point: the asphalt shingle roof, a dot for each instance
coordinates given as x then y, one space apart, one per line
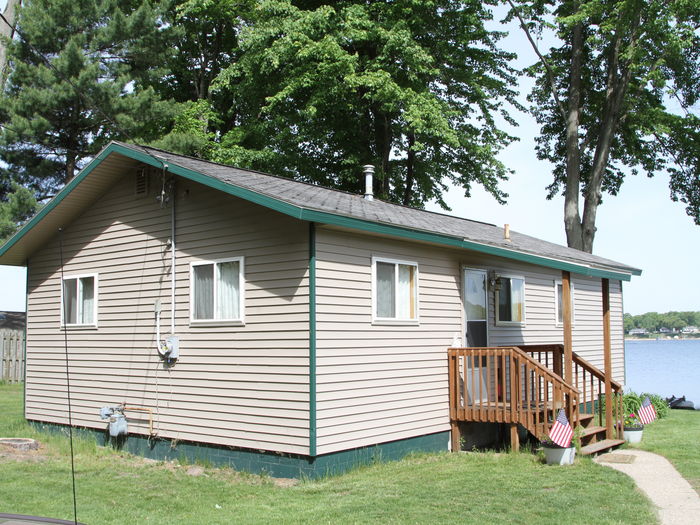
312 197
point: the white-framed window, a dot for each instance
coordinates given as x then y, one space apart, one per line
558 295
510 300
79 300
217 291
394 291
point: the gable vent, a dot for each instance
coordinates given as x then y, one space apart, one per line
141 182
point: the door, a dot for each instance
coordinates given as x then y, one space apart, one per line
475 307
475 322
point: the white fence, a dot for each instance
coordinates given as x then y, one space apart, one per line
11 356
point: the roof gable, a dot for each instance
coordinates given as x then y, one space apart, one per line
305 202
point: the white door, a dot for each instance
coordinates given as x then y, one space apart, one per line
476 333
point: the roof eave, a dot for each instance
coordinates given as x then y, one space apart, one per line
312 215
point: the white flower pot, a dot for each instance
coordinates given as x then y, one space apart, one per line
559 456
633 436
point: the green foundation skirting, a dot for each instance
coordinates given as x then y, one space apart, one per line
258 462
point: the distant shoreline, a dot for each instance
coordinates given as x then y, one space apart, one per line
685 337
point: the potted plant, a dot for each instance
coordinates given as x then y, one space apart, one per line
555 454
632 428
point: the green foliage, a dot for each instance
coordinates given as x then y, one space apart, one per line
19 206
653 321
56 116
413 87
632 402
626 79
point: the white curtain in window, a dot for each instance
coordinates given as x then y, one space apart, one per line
204 291
404 295
385 290
87 300
70 301
228 291
517 290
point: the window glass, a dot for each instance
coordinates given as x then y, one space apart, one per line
79 296
204 291
511 300
228 296
476 296
70 301
217 291
396 290
386 295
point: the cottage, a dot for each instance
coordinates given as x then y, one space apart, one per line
281 326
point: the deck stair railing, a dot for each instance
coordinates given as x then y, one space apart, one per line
507 385
590 382
524 385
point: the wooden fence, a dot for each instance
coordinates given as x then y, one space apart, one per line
11 356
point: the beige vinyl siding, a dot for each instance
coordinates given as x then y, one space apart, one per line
244 386
380 382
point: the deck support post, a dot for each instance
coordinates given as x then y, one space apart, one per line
456 437
514 437
566 316
607 353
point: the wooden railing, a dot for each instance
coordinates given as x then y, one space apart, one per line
588 380
506 385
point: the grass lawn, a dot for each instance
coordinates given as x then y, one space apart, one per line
677 437
114 487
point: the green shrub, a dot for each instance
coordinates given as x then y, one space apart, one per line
632 402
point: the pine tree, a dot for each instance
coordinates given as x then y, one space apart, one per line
78 74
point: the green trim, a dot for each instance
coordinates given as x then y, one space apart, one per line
26 320
319 217
58 198
257 462
312 339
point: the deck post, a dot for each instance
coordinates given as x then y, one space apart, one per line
456 437
514 437
607 359
566 315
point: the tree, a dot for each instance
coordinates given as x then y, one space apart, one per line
77 70
19 206
605 100
413 87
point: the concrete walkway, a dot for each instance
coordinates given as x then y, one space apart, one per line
675 500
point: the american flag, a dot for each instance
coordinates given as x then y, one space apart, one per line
561 431
647 414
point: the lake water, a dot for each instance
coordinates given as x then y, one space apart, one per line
664 367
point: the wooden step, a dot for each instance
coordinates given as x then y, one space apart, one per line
585 418
590 431
601 446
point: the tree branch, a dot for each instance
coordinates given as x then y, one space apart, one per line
550 72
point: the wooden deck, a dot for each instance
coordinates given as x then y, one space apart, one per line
524 386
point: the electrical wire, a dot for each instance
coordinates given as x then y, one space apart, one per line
70 411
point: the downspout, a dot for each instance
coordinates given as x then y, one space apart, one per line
312 339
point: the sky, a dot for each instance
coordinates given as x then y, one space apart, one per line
640 227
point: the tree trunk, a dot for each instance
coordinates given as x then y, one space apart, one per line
572 217
410 173
8 32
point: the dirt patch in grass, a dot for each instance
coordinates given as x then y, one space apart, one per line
10 453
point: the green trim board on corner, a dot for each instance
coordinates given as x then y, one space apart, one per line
312 339
269 463
315 216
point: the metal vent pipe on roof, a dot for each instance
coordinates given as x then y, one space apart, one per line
506 232
369 181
